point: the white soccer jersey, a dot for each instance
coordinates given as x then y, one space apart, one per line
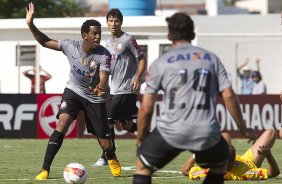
125 53
191 78
84 69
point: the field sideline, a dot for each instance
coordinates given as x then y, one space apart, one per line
21 160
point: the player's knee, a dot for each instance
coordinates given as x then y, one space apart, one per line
143 169
62 126
271 133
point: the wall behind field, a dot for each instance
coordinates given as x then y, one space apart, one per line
232 37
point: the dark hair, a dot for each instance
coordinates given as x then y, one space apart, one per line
85 28
115 12
180 26
256 74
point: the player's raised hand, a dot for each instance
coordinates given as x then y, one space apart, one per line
29 13
264 150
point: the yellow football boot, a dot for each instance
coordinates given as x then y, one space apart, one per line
115 167
43 175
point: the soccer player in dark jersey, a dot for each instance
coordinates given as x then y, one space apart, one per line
89 71
127 67
191 78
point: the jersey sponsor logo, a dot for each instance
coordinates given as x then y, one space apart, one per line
83 73
196 56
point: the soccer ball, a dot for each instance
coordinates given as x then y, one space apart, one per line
75 173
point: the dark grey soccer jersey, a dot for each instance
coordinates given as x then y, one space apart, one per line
191 78
84 69
125 52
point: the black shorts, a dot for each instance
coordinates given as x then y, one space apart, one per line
155 153
95 113
213 157
123 108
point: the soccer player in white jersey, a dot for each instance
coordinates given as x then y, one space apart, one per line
89 71
127 67
191 78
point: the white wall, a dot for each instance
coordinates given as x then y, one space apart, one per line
219 34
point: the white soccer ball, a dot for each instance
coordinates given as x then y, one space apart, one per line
75 173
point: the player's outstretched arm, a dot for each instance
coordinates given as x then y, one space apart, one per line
187 166
232 103
44 40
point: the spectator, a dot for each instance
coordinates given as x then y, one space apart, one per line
259 86
245 78
44 76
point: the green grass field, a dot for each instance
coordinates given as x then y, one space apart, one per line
21 160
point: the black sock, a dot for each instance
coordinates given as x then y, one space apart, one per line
133 128
213 178
53 147
113 141
141 179
111 155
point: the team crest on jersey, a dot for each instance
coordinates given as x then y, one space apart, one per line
119 46
93 65
63 105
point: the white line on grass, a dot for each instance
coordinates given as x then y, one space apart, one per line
124 168
129 168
